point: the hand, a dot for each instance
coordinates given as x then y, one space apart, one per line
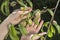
15 17
33 29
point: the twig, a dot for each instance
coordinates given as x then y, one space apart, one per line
52 16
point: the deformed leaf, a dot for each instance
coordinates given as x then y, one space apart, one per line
50 34
36 21
23 23
57 26
22 30
13 33
52 29
21 3
29 15
30 3
30 22
50 12
5 6
23 8
46 24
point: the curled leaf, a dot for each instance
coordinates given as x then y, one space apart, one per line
22 30
50 34
23 23
5 8
36 21
52 29
46 24
21 3
50 12
57 26
30 3
13 3
30 22
13 33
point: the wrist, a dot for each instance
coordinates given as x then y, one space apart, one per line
4 29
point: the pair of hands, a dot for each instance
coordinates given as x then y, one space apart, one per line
14 18
31 29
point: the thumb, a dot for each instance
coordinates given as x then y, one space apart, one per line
35 37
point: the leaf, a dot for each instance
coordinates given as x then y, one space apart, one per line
5 7
13 33
30 22
13 3
50 12
23 23
2 8
50 34
30 3
29 15
22 30
46 24
37 11
36 22
52 29
21 3
42 38
37 14
57 26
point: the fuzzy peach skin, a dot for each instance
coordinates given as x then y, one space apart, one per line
13 18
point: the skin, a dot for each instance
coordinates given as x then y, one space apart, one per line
14 18
33 29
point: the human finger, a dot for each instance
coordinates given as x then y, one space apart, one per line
35 26
32 24
39 35
39 26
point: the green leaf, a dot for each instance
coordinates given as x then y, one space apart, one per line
50 12
52 29
57 26
23 23
29 15
37 11
5 7
46 24
2 8
42 38
13 33
13 4
30 22
22 30
21 3
36 21
50 34
30 3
